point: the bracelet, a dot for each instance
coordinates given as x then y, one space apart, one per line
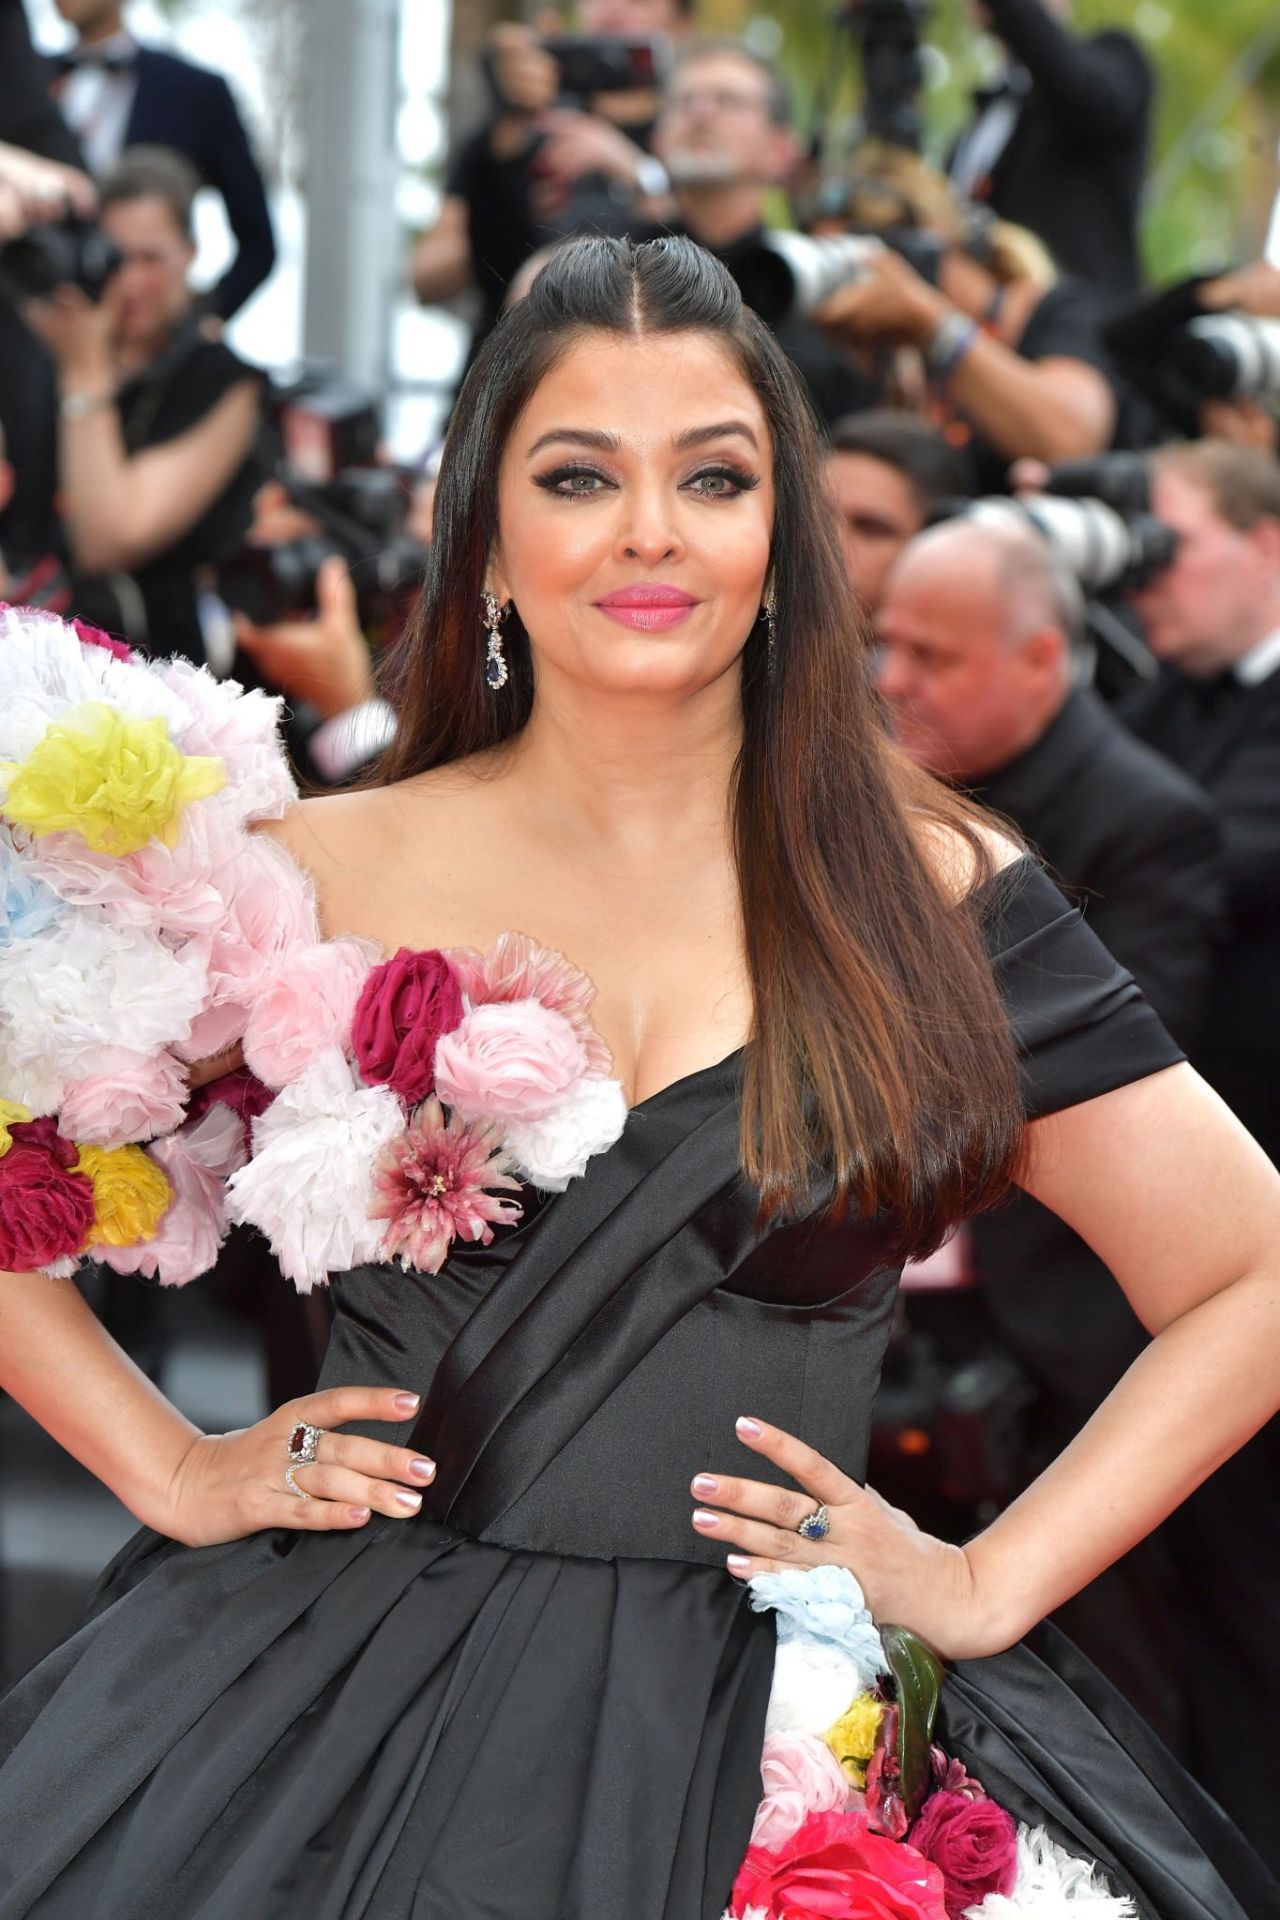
651 178
952 338
74 406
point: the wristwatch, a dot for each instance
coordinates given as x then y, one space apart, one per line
651 178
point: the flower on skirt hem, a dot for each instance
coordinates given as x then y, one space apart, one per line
436 1183
852 1738
1052 1884
973 1844
835 1865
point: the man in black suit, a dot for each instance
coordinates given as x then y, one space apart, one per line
1060 145
978 629
1213 620
117 94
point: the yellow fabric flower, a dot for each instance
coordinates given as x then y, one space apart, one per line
112 778
131 1194
10 1114
852 1739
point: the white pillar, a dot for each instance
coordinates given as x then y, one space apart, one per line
353 252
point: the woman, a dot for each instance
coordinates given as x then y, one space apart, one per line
545 1695
157 422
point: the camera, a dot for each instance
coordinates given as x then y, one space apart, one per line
1096 517
1226 355
888 36
597 63
789 274
73 253
328 433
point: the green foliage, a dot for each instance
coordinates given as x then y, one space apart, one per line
1214 171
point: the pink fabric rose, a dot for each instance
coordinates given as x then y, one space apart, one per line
134 1096
94 637
46 1207
836 1867
801 1776
308 1006
974 1845
406 1004
509 1060
517 968
197 1162
270 915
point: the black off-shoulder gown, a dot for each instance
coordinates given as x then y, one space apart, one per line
544 1697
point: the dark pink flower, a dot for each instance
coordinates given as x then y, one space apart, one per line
950 1775
46 1207
241 1090
836 1867
404 1007
974 1845
434 1184
517 968
94 637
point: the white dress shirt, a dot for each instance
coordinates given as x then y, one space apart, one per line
1260 662
96 102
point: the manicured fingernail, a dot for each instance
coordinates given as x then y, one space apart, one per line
701 1518
423 1469
408 1498
706 1485
358 1514
737 1562
749 1429
407 1402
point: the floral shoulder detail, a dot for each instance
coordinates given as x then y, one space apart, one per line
387 1107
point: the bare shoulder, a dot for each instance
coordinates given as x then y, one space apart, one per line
958 864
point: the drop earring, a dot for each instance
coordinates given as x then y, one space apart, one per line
766 614
495 664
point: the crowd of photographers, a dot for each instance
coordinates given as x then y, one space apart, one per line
1059 498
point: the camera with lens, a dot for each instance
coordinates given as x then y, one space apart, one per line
588 64
1096 517
1226 356
327 433
73 253
888 35
789 274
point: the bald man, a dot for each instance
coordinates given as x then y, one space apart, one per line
979 630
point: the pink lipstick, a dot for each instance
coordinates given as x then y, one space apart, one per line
648 606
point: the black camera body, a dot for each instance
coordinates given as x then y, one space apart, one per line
329 433
73 253
588 64
888 34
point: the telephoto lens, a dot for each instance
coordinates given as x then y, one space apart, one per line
1226 355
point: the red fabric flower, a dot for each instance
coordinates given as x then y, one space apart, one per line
240 1090
46 1207
973 1843
835 1867
94 637
404 1007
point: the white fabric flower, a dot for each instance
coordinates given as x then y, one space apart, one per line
45 671
1053 1884
553 1151
823 1603
814 1681
65 996
309 1186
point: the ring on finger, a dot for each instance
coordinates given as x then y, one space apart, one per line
292 1484
304 1444
815 1525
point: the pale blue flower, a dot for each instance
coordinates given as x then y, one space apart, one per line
27 905
823 1603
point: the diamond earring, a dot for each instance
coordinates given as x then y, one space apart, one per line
495 665
766 613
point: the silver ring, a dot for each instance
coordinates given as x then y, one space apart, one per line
815 1525
292 1484
304 1443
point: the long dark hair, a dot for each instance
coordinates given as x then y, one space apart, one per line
881 1067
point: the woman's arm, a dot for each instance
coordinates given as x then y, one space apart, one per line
1184 1207
58 1362
122 509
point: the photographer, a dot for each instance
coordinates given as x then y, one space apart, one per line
1060 145
1213 621
156 423
1163 348
1009 352
542 168
887 472
978 626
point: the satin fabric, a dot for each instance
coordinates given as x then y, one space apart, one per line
544 1697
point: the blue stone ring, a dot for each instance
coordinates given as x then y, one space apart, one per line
815 1525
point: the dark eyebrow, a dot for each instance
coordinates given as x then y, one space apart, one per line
612 442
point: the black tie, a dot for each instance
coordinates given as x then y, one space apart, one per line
80 59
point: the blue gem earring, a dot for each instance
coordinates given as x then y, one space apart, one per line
495 664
